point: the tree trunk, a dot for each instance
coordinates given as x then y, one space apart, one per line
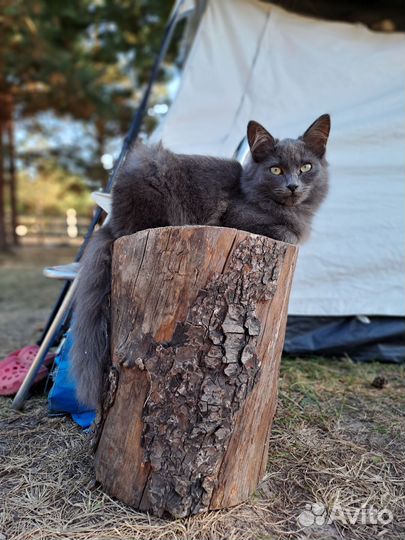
12 171
3 232
198 322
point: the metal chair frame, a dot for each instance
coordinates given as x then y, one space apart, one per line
61 313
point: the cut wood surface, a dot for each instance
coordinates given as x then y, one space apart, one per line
198 323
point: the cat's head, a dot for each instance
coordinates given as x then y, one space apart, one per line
288 171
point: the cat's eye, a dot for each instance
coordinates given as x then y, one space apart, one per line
306 167
276 171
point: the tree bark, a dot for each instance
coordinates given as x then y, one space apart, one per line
3 231
12 171
198 322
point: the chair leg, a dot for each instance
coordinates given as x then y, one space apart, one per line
21 396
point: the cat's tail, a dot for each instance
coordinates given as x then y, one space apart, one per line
91 319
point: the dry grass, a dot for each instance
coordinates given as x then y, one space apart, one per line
25 295
334 436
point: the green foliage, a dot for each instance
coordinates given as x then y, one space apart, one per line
79 57
51 191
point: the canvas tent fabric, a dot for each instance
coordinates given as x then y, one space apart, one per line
257 61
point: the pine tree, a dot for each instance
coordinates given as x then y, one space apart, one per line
83 58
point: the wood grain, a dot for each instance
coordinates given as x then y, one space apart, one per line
198 322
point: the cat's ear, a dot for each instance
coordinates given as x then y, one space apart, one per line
316 136
260 141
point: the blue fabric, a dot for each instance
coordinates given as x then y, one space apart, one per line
62 396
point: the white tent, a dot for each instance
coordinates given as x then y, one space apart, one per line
251 60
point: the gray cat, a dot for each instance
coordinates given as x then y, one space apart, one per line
276 194
282 185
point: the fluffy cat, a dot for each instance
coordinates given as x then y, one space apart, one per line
282 185
274 195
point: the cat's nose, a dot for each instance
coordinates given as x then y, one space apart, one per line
292 187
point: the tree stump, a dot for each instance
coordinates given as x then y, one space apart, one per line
198 322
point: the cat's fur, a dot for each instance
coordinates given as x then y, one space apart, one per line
157 188
265 203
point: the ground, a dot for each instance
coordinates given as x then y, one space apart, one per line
336 450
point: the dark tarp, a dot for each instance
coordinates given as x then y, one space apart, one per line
382 338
